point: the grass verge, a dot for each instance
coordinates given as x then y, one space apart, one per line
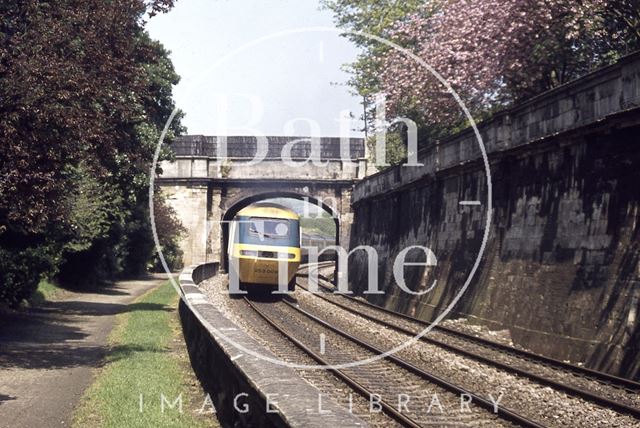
46 290
147 361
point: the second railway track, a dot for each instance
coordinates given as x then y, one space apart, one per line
600 388
292 327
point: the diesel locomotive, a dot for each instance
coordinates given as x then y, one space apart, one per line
264 237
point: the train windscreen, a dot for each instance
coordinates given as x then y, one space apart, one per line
269 231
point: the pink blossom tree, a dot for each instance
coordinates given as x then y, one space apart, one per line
494 52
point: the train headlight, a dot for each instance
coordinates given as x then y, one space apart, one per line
286 255
249 253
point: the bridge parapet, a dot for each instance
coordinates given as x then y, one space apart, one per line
199 156
203 186
246 147
608 94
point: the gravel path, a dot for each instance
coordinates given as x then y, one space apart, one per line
48 354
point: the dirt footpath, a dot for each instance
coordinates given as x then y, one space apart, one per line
48 355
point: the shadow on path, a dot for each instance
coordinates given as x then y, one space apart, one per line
54 339
63 356
48 354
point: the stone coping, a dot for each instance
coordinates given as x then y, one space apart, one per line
294 402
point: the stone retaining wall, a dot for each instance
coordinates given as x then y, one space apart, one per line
560 270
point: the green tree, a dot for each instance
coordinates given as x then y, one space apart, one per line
169 231
84 94
492 52
375 18
379 19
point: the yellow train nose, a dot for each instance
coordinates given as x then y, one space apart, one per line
264 271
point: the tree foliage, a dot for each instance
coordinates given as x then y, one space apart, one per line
492 52
372 17
84 94
495 52
169 230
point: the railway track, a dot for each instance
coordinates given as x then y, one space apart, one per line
605 390
387 377
599 376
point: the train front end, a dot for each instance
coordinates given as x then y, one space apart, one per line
265 238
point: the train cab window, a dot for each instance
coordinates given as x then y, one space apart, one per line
269 228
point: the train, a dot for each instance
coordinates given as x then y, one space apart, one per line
320 242
262 236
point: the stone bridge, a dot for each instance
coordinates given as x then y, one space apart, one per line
207 187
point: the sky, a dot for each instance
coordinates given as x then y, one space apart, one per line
256 67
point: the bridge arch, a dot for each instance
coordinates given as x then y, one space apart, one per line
205 189
238 203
